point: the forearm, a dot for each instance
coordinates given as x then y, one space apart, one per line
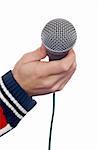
14 103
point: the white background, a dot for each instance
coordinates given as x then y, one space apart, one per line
76 124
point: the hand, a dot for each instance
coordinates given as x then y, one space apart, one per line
38 77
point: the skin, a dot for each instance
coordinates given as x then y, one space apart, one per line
38 77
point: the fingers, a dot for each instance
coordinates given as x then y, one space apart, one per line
52 80
61 83
59 66
55 82
59 79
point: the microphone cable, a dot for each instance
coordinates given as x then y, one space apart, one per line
51 125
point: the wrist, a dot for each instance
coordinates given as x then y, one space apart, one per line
19 81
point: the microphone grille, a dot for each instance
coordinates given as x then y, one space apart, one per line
59 35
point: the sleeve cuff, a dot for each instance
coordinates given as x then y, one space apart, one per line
17 92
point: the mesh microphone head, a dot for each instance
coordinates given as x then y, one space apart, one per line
58 36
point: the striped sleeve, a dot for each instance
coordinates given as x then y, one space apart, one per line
14 103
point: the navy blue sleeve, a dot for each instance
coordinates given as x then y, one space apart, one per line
15 103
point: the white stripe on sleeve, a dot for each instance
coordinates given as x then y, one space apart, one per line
10 106
12 98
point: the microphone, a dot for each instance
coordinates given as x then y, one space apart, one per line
58 36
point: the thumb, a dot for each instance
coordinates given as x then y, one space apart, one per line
40 53
36 55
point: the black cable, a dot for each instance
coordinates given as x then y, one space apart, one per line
51 126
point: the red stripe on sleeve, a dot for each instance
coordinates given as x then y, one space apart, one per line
3 120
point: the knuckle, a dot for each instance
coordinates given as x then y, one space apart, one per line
65 67
56 88
24 55
53 89
74 66
73 54
61 87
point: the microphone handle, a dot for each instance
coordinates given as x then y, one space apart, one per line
56 56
